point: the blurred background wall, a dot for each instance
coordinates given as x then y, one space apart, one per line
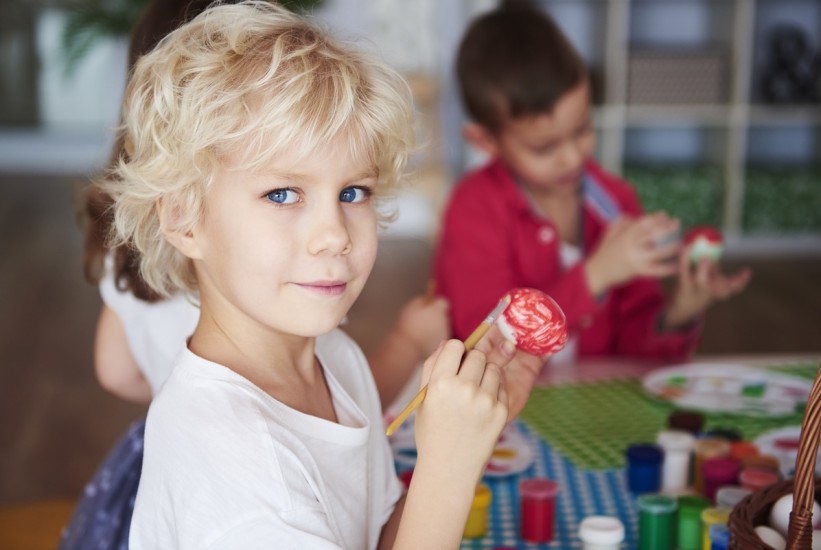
710 107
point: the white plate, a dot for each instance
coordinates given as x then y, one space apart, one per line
782 443
512 454
734 389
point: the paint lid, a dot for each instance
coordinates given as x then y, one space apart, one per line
539 487
601 530
740 449
689 421
761 461
712 516
692 505
675 441
657 504
755 477
644 453
730 495
711 447
722 469
482 497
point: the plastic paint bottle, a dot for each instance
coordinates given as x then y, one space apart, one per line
719 537
677 446
476 525
538 509
740 449
729 496
601 533
689 521
657 516
644 468
755 478
718 472
705 449
711 517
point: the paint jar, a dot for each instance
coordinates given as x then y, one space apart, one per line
755 478
730 495
601 533
644 468
657 517
688 421
740 449
716 473
476 525
689 521
677 446
538 509
710 517
761 461
705 449
719 537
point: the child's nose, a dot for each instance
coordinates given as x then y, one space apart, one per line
572 155
330 233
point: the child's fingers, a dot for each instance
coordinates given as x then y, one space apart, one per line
473 366
491 379
427 366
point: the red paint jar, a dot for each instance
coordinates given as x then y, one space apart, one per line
538 509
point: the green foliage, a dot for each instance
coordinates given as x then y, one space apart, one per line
783 200
690 193
94 20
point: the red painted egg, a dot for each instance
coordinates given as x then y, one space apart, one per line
534 321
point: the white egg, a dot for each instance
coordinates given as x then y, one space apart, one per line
780 514
816 539
771 537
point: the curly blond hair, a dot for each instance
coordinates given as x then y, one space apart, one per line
252 77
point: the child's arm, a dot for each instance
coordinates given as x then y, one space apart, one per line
116 369
422 325
456 429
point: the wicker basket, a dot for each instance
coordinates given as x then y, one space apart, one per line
755 508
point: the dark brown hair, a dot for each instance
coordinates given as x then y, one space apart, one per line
515 61
160 18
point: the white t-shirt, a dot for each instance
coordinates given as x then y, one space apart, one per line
228 466
156 332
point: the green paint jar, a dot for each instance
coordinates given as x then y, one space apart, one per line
657 522
689 521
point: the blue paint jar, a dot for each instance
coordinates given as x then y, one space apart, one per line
644 468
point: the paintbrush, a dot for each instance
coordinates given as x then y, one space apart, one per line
470 343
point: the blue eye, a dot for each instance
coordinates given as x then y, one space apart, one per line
354 194
283 196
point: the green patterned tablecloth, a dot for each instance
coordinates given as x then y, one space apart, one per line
593 423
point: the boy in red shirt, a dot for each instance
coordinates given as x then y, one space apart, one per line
543 214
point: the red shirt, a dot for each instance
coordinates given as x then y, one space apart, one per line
493 240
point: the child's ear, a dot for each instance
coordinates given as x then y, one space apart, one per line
480 138
179 238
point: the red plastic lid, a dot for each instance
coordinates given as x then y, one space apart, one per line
540 487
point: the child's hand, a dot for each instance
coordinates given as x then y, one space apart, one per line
519 369
700 287
425 323
463 413
630 249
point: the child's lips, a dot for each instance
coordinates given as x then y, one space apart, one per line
325 288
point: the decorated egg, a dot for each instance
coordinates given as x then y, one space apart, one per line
704 242
534 321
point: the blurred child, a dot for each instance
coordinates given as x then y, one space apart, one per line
140 333
543 214
258 150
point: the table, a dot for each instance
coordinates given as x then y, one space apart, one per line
594 483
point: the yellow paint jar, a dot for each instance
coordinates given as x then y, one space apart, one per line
476 525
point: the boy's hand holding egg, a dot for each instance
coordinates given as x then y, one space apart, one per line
703 241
